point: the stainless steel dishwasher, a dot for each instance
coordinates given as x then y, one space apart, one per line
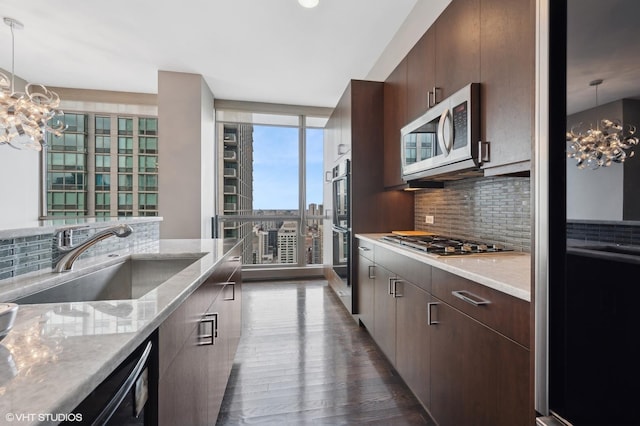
129 395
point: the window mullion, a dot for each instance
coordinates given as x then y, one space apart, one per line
302 191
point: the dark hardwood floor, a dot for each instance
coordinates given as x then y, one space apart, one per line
303 360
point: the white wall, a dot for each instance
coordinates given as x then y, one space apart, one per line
19 187
185 162
594 194
19 182
207 161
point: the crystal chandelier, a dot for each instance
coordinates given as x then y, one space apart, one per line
602 146
25 117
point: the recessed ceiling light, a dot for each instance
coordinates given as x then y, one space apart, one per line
308 3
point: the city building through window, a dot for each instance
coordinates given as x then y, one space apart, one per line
270 187
96 150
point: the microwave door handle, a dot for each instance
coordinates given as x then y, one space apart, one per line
445 145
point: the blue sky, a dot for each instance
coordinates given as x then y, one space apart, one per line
275 167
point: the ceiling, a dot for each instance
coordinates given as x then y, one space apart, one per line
602 43
277 51
250 50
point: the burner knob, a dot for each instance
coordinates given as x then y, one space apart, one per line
482 247
467 247
449 249
498 247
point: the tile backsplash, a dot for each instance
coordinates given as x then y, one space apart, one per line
24 254
493 209
616 232
21 255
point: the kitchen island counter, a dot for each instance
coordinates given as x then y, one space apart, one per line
57 353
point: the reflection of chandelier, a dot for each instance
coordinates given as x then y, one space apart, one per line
25 117
602 146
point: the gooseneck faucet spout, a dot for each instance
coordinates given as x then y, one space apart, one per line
70 253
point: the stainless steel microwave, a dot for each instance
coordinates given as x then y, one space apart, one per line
445 139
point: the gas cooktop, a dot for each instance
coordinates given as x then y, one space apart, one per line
444 246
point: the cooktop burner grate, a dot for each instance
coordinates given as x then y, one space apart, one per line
444 246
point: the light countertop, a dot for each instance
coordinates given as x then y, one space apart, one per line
51 360
508 272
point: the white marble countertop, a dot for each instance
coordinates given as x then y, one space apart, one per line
508 272
50 361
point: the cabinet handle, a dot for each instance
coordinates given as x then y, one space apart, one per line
361 248
429 101
372 268
484 154
233 293
430 320
435 96
235 258
398 292
390 285
208 339
470 298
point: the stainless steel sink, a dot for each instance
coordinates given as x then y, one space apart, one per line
130 279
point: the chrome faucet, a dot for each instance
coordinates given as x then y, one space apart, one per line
70 253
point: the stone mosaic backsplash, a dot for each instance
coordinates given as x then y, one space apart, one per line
493 209
32 253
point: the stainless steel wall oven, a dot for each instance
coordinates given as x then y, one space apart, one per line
341 219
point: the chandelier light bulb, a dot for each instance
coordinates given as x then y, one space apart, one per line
308 3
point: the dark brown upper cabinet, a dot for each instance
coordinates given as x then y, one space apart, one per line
507 71
487 41
395 117
457 47
421 76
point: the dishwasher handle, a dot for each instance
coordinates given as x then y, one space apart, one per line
119 396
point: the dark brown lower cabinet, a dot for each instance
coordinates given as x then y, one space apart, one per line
234 300
180 387
197 344
413 336
460 346
384 319
478 377
366 284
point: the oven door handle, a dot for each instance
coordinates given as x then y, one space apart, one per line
340 230
119 396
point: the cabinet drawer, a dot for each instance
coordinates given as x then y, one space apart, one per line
365 249
504 313
414 271
174 331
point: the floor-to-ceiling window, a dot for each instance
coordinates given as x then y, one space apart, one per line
270 177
